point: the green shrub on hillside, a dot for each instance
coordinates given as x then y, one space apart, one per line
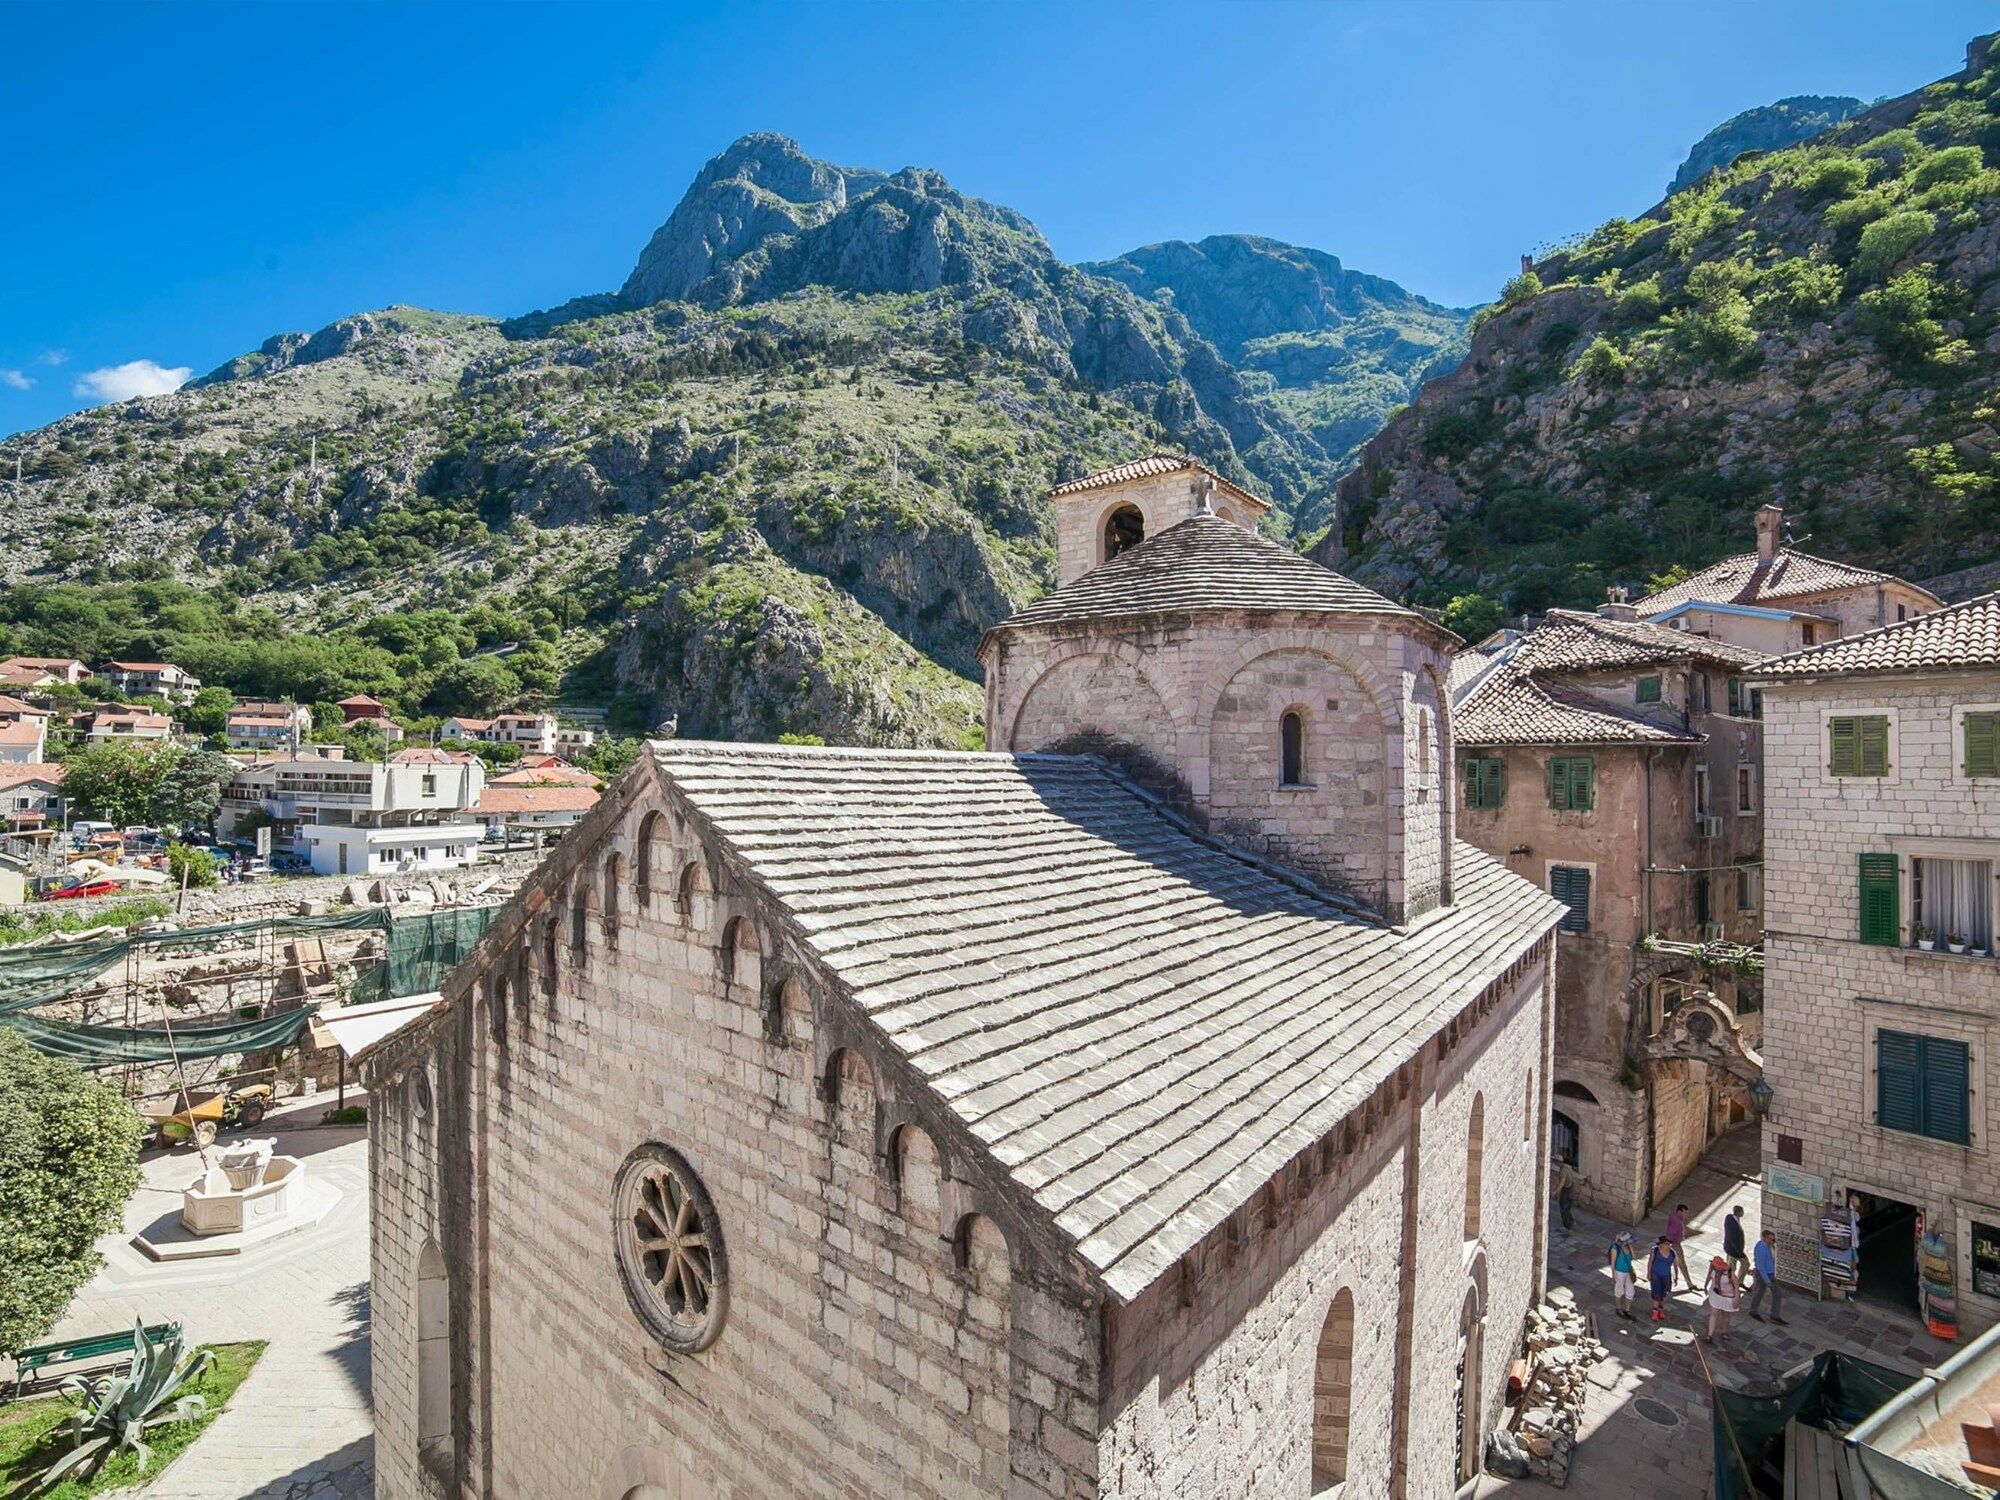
1831 178
1953 164
1885 242
1797 290
1602 362
1904 318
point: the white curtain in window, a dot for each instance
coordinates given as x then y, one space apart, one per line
1956 895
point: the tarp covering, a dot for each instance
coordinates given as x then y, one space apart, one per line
422 947
1835 1392
113 1046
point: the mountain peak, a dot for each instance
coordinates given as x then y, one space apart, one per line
1769 127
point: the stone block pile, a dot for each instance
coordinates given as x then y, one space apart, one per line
1539 1438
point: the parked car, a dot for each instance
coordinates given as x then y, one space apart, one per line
87 888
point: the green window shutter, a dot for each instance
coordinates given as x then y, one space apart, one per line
1880 917
1649 690
1874 746
1559 783
1496 782
1583 783
1484 786
1982 744
1571 886
1899 1092
1843 747
1947 1104
1735 697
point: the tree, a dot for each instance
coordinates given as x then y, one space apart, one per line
116 782
1474 616
194 868
209 713
69 1158
189 793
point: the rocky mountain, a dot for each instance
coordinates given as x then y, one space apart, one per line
777 483
1768 127
1337 350
1817 326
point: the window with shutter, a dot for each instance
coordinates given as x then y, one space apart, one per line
1484 784
1571 886
1583 783
1857 745
1982 744
1881 919
1947 1106
1648 690
1898 1082
1736 697
1559 783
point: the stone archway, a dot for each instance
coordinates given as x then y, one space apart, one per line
1703 1030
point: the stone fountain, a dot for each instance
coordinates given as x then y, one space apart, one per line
248 1187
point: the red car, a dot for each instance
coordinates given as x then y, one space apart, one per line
88 888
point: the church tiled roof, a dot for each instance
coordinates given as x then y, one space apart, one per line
1138 1024
1963 636
1748 579
1150 467
1206 563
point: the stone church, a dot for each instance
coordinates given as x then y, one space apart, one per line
1154 1106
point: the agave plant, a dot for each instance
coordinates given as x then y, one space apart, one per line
114 1412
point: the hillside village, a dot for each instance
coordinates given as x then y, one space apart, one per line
1203 937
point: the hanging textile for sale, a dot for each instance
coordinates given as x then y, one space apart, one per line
1937 1284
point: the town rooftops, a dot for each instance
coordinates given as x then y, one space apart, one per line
43 663
16 675
135 718
1206 564
1570 640
15 732
517 798
242 719
430 755
1140 1025
360 700
473 724
15 708
29 772
1957 638
1511 706
558 774
1750 579
1152 466
143 666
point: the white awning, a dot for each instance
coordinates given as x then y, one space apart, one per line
353 1027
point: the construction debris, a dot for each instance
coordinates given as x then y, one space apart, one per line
1539 1439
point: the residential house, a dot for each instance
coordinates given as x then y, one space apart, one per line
66 669
535 733
1602 758
24 740
359 817
125 726
262 726
545 770
21 679
151 679
1037 1134
572 740
1776 600
362 708
31 795
1882 801
532 808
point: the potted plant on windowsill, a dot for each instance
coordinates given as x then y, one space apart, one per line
1955 940
1926 939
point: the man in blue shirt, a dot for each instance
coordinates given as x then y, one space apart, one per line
1765 1259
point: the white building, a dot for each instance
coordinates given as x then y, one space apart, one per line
535 733
152 679
126 725
360 817
267 726
31 794
23 740
522 808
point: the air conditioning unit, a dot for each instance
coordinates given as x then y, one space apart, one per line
1709 827
1711 932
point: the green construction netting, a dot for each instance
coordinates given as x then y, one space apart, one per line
422 948
113 1046
1834 1394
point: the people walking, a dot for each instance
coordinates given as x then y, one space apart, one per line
1660 1276
1721 1290
1622 1274
1733 1247
1764 1257
1677 1228
1565 1193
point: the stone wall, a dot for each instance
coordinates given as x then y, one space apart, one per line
1827 994
1161 501
1224 682
1215 1379
884 1333
283 897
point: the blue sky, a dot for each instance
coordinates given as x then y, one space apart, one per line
184 181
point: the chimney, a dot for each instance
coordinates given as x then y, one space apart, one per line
1617 605
1770 531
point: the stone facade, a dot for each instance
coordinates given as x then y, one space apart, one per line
1084 518
1830 994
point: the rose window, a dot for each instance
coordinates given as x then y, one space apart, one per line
670 1253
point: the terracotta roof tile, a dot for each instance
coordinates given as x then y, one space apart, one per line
1747 579
1962 636
1511 706
1570 640
526 799
1140 1090
21 773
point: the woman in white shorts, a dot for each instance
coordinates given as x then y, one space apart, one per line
1721 1289
1621 1274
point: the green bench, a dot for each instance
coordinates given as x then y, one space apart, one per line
38 1357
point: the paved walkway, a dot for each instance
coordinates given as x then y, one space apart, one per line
300 1428
1647 1425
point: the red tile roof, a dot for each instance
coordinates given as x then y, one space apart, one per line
502 800
23 772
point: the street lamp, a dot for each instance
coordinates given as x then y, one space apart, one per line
1760 1095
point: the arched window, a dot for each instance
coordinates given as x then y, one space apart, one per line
1567 1090
579 923
1565 1140
433 1355
614 881
497 1003
1528 1109
1424 745
1475 1164
551 936
1124 527
651 850
1292 749
1471 1385
1333 1386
